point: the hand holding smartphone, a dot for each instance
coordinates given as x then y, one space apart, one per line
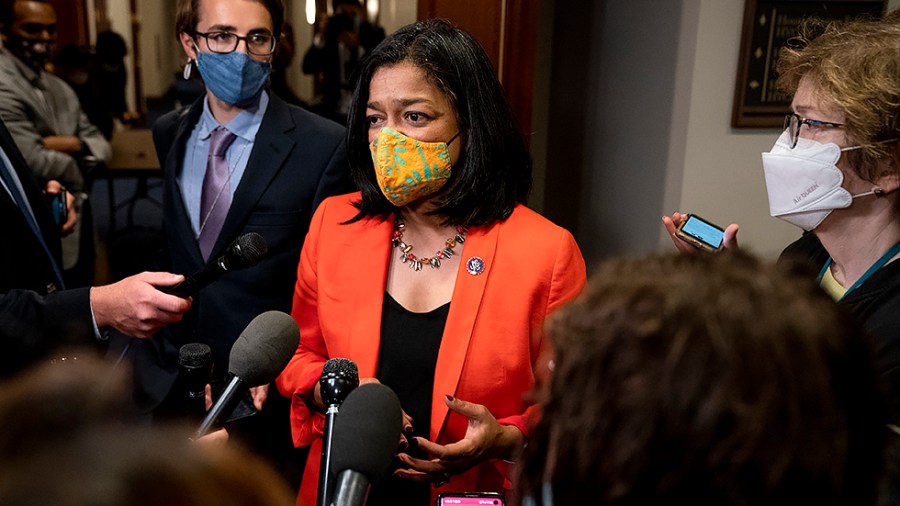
58 206
701 233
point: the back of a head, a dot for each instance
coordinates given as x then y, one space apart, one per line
65 440
113 465
54 400
713 379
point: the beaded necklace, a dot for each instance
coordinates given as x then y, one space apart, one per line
415 263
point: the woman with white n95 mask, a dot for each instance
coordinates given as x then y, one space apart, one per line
835 170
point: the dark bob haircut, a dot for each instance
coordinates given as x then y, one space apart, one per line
493 172
187 15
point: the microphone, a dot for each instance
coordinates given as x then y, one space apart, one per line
366 435
195 366
245 251
339 377
260 353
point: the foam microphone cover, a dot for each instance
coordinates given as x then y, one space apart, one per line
193 355
264 348
340 367
339 377
245 251
367 431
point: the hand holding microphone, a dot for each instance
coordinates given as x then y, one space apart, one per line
245 251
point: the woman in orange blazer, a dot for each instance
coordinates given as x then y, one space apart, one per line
441 165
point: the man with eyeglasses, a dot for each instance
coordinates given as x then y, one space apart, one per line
238 160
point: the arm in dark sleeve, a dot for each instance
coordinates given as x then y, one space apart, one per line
32 324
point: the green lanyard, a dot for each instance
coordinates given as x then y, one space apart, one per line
872 270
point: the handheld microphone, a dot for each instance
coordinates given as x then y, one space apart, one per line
245 251
339 377
261 352
366 434
195 368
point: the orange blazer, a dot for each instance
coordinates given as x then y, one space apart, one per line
491 341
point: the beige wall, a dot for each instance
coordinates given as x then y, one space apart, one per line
714 170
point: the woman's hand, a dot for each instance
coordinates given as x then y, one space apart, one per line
729 240
485 439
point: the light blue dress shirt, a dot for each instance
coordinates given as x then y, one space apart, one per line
245 126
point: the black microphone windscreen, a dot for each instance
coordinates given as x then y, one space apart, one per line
264 348
245 251
367 431
194 355
340 366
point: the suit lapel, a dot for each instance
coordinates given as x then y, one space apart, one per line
181 222
270 149
464 311
369 282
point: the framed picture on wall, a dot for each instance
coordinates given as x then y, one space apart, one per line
768 25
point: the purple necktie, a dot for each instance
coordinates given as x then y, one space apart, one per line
216 197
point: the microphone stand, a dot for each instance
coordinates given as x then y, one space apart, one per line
335 385
325 463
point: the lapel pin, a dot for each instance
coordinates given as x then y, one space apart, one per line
475 266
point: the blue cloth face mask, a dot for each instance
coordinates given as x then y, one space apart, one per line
233 78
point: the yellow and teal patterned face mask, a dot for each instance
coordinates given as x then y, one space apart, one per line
408 169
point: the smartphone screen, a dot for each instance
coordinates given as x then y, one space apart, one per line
470 499
58 207
703 231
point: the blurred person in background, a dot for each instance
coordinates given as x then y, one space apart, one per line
66 439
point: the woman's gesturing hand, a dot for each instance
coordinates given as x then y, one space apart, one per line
485 439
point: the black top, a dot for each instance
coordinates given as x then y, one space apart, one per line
874 303
406 362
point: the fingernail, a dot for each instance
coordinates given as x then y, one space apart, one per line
449 397
404 445
408 429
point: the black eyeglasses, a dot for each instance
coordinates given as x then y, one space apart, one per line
793 122
259 44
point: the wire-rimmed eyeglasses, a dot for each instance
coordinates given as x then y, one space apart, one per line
259 44
793 122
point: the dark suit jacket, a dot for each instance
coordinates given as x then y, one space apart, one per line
30 320
298 159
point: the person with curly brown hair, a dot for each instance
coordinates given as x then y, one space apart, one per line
713 379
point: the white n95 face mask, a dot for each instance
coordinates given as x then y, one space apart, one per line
804 184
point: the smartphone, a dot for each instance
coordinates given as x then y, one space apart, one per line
701 233
58 207
470 499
